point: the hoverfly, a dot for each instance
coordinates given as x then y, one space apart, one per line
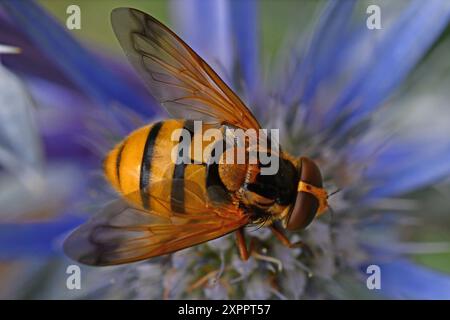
165 207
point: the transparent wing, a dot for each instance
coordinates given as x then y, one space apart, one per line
175 75
123 232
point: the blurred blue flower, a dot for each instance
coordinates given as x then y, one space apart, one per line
341 102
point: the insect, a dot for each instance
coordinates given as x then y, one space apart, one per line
164 206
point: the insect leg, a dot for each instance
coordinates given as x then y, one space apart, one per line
242 245
285 241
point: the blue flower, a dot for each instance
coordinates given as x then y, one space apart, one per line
343 102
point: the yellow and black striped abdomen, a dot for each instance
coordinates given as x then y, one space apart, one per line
142 165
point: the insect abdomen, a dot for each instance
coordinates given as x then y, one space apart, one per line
141 165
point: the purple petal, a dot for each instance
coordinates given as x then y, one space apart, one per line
31 60
398 170
205 26
245 26
79 65
34 239
225 33
348 70
402 279
319 60
393 58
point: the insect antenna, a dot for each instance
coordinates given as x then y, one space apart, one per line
334 192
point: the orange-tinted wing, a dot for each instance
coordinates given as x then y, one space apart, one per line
122 232
175 75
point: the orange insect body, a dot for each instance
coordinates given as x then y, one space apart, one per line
166 206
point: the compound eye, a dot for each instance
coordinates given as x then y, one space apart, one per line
306 204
